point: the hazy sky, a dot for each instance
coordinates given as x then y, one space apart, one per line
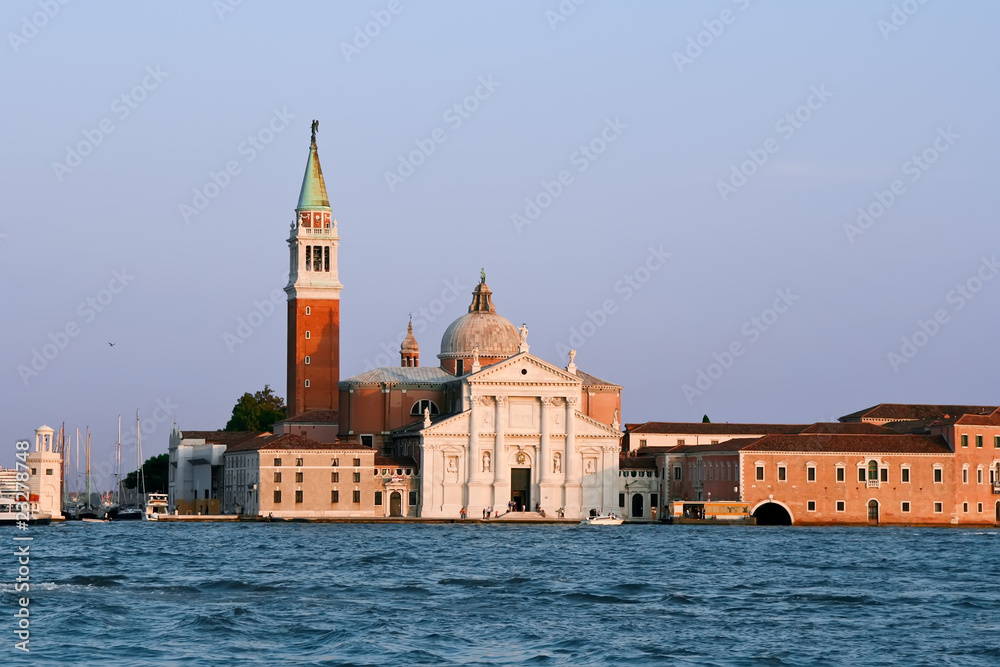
739 138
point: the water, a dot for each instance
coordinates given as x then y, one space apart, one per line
141 593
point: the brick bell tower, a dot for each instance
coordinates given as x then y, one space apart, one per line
313 297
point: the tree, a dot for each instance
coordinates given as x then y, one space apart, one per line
706 420
154 474
257 412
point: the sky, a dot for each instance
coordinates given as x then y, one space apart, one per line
764 212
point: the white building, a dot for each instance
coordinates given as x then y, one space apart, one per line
196 480
45 480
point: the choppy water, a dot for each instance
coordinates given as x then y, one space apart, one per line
139 593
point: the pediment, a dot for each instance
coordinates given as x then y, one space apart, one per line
524 369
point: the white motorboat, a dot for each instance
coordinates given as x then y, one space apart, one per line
9 514
609 520
156 506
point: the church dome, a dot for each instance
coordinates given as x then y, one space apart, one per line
494 335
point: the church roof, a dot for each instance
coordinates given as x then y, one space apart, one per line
483 328
314 417
221 437
594 381
313 194
402 375
852 444
706 428
909 412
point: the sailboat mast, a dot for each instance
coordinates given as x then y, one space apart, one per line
76 474
88 466
118 464
140 482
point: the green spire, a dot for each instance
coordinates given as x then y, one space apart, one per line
313 194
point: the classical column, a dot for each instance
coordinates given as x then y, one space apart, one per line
545 455
475 460
573 464
427 481
501 479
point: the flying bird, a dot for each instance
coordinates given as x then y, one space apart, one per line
111 344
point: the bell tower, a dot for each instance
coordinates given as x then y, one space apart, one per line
313 297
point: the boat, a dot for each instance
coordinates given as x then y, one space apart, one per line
607 520
136 511
156 506
9 514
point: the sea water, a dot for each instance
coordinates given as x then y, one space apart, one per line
293 593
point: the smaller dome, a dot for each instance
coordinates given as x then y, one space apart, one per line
409 345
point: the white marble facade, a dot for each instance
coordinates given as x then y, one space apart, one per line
521 437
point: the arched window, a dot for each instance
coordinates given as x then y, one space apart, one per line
873 470
421 405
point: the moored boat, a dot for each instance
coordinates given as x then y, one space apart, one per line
608 520
9 515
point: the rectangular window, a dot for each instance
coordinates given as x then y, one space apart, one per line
335 496
357 462
811 474
841 474
654 499
307 383
642 443
367 441
904 475
413 498
277 496
979 442
861 474
357 477
965 507
979 508
277 463
965 440
298 462
298 477
781 473
760 474
841 506
356 496
680 442
938 508
621 500
336 462
965 475
378 498
48 471
884 474
938 475
298 495
308 310
677 473
326 258
906 506
309 257
277 477
811 506
996 441
334 477
979 476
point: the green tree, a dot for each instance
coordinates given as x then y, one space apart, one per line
154 474
257 412
706 420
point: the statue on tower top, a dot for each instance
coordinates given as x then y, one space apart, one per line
315 129
482 276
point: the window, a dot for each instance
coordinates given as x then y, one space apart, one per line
308 310
368 441
811 473
307 361
861 474
884 474
811 506
680 442
34 471
841 473
277 496
356 496
979 508
965 474
782 473
938 508
307 383
409 471
298 477
308 335
979 475
335 496
424 403
412 498
873 471
905 506
965 507
996 441
904 475
298 495
378 497
979 442
965 440
298 463
357 462
309 257
277 476
760 473
357 477
326 258
677 473
336 462
642 443
277 463
715 442
654 500
621 500
938 475
841 506
334 477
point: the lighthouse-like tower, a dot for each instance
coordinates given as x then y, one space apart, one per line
313 297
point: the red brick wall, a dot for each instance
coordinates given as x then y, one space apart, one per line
323 349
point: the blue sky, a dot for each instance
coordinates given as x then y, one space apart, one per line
829 103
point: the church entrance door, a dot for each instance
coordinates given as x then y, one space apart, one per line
395 504
520 488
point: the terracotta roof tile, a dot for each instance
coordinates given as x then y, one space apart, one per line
852 443
395 461
291 442
221 437
314 417
701 428
909 411
857 428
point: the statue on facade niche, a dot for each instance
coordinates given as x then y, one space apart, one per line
451 464
557 463
486 462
